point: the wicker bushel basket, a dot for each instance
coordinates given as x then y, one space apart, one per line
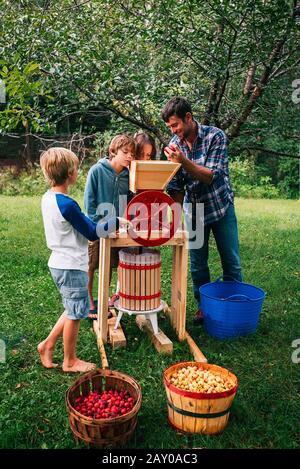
103 433
197 412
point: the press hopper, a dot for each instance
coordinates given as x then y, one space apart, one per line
147 175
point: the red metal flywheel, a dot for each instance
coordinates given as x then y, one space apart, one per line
148 211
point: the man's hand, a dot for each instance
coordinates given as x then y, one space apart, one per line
174 154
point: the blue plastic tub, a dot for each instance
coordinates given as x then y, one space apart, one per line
231 308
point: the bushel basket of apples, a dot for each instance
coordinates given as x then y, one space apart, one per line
103 406
199 396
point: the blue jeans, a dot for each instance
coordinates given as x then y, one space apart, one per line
225 232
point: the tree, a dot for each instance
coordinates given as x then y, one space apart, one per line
230 58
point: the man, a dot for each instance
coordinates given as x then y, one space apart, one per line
203 178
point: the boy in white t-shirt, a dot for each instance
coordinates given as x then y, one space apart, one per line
67 232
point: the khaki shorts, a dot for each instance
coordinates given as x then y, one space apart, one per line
93 249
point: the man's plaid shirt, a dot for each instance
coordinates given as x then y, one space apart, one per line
209 150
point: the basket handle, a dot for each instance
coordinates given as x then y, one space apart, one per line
240 297
222 278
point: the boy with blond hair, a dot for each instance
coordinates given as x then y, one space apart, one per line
106 191
67 230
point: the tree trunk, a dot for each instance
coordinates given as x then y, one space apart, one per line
249 80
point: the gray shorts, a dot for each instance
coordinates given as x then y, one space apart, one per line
72 285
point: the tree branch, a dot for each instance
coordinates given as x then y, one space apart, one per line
267 150
258 90
277 73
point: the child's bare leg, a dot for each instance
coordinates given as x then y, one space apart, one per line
46 347
71 362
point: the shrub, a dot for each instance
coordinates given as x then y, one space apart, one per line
247 183
32 182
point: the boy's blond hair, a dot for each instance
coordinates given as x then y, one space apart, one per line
120 141
58 164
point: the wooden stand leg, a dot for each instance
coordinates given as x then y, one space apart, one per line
116 335
179 289
103 287
160 341
104 362
182 290
174 296
195 350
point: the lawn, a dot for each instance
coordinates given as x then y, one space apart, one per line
266 410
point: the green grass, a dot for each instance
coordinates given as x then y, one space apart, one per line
266 409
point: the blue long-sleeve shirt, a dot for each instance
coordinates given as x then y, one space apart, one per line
68 230
106 191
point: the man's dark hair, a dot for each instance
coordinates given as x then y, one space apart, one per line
178 107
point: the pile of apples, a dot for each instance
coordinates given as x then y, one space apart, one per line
105 405
194 379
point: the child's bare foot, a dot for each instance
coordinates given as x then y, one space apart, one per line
78 366
46 355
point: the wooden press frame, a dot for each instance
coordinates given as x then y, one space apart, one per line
104 327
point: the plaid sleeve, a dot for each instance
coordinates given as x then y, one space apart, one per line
177 183
217 158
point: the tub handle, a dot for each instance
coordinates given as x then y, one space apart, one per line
240 297
229 276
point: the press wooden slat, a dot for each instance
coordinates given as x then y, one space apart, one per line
143 283
124 280
131 307
119 271
138 284
127 283
148 282
151 280
157 281
122 283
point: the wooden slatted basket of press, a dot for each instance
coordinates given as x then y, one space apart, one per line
103 406
199 397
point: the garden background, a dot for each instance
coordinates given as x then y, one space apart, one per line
75 73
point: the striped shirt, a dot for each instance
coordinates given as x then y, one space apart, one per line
209 150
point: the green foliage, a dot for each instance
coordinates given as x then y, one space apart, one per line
247 183
32 182
250 177
113 65
130 57
24 90
247 177
289 174
25 183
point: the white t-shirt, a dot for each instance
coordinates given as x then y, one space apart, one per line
68 230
